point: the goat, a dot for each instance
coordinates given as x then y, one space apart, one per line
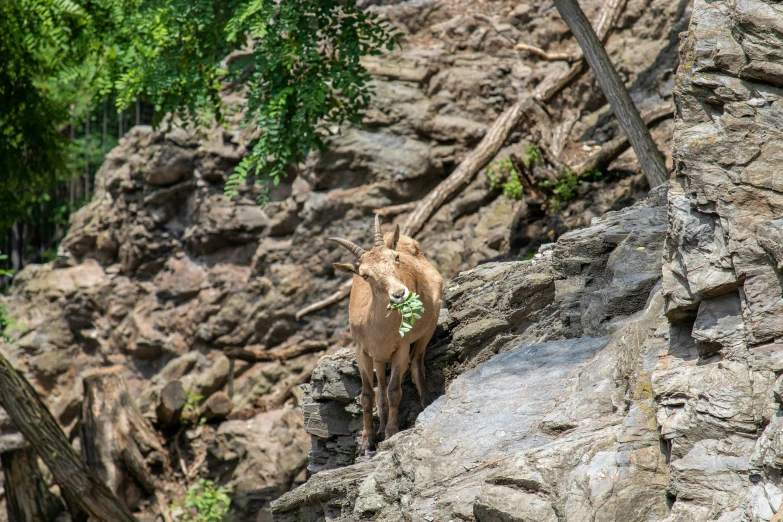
388 273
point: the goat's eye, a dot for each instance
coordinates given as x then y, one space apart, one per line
365 277
397 259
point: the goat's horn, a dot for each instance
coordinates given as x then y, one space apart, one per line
353 248
378 233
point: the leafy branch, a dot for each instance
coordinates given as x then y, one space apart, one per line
411 310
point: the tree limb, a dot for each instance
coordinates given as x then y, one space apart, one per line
339 295
551 85
393 210
476 160
550 57
255 354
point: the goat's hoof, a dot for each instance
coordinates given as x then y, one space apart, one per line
390 432
367 448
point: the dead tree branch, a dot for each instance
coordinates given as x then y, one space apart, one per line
550 57
255 354
394 210
551 85
339 295
476 160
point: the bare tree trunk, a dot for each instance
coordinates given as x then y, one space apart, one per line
104 143
16 247
649 156
138 110
87 159
117 441
45 436
72 182
27 496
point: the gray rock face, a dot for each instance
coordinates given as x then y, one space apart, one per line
715 388
727 198
555 431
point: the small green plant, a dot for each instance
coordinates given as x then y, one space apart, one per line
564 189
205 502
503 175
532 156
512 188
410 311
190 410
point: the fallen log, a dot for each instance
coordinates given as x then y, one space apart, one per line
339 295
117 441
393 210
475 161
550 57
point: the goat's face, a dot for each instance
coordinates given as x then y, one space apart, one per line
380 267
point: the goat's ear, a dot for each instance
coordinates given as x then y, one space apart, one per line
395 237
348 268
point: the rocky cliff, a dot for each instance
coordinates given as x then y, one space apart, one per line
162 276
613 385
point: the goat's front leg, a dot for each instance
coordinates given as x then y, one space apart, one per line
399 364
383 400
368 401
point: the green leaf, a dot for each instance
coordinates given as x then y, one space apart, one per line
411 309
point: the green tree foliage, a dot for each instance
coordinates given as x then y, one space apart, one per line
36 39
297 62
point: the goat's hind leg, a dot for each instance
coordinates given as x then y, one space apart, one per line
367 400
417 368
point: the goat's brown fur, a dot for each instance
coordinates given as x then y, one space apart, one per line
394 267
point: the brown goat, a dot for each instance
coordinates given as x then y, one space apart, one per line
388 273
